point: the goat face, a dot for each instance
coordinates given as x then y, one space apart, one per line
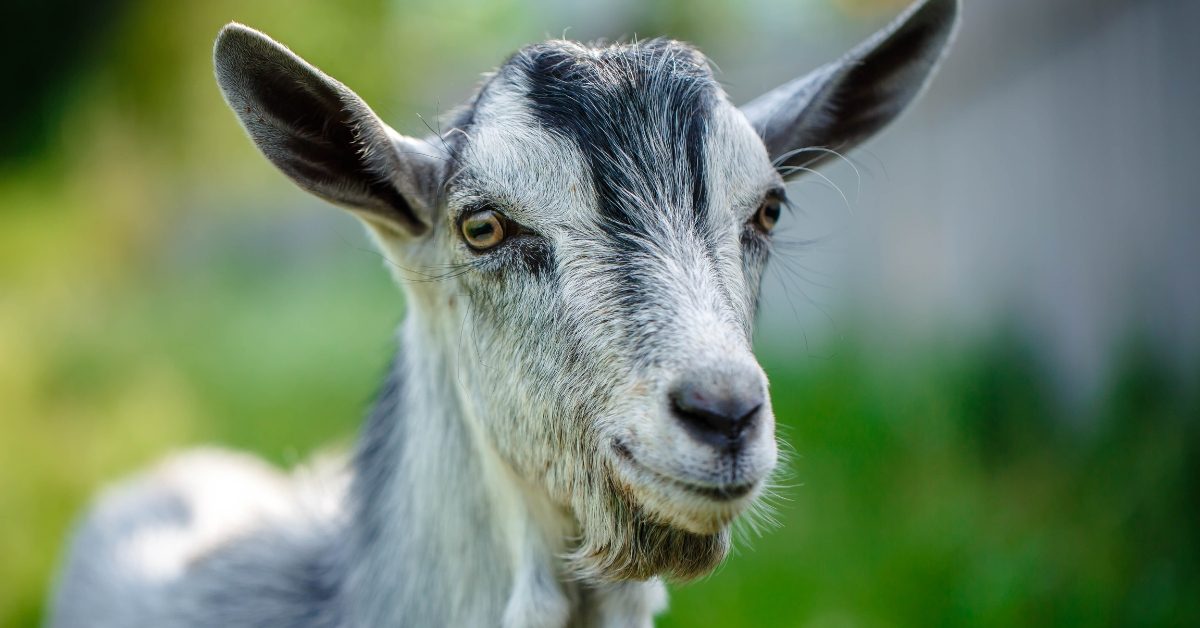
588 238
612 318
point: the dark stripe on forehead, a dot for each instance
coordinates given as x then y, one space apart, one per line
638 113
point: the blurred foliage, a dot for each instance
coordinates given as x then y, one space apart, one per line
37 30
159 290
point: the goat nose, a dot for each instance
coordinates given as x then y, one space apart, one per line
720 411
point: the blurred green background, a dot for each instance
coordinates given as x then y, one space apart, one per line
986 370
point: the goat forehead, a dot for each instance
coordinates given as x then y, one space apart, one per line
659 81
639 114
630 120
632 140
538 177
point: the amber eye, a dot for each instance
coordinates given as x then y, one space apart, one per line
483 229
768 214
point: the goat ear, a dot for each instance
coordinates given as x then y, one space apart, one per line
845 102
323 136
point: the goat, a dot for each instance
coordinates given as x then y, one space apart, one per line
576 414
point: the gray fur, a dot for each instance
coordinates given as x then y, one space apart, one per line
523 465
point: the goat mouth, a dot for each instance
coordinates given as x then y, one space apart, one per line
719 493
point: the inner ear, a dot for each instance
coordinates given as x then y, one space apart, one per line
323 136
323 141
837 106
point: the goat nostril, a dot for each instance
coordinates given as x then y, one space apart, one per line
719 412
746 419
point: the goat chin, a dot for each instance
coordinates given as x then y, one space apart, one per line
640 549
624 538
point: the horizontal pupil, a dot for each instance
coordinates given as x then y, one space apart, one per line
480 229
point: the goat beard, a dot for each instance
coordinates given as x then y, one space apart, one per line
619 539
621 542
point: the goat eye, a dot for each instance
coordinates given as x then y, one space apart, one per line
768 214
483 230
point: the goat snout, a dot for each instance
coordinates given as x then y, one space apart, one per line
719 409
